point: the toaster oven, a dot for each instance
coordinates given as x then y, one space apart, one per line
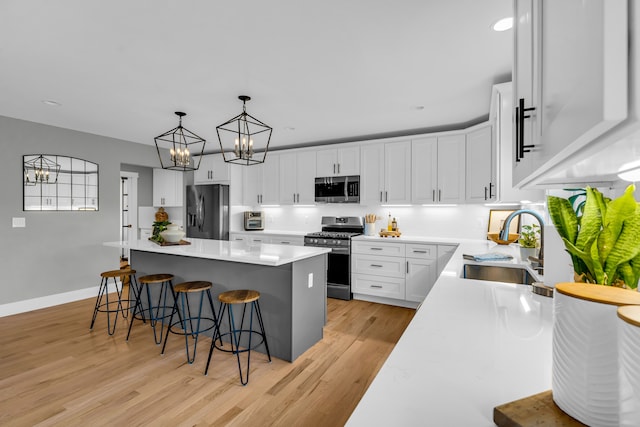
254 220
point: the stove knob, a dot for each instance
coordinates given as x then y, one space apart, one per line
315 240
336 242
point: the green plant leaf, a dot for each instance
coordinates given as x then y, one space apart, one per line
591 222
626 247
585 266
563 217
626 272
598 271
617 211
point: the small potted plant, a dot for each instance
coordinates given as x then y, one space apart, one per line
529 241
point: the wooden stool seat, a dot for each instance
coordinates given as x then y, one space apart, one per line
118 273
155 278
241 296
196 286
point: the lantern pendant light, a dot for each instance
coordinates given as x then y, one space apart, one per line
182 146
244 139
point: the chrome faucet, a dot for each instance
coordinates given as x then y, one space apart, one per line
504 233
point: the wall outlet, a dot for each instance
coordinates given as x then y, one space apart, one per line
18 222
310 280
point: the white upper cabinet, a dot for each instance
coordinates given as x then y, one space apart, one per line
338 161
386 173
481 165
297 177
261 182
438 169
571 79
213 169
167 188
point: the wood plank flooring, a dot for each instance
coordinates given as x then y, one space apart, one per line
55 372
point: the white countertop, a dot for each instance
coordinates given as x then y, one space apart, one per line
224 250
472 345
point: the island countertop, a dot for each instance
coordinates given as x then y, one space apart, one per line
472 345
224 250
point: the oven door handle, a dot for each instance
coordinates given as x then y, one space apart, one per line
340 251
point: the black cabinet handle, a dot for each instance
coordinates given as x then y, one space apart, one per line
521 111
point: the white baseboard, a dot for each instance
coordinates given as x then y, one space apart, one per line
388 301
48 301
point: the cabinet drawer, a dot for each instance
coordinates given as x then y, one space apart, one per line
375 248
294 241
389 287
416 250
378 265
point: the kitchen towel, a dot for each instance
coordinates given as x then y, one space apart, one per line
491 256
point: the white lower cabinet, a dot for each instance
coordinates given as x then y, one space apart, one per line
405 272
390 287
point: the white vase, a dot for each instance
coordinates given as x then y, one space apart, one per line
585 374
525 253
629 348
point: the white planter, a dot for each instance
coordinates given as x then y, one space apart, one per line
629 349
585 380
525 253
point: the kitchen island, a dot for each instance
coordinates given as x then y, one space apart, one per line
291 280
472 345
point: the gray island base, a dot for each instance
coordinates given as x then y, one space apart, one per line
292 295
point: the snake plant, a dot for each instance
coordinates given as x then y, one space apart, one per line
604 243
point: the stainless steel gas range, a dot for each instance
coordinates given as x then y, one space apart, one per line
336 234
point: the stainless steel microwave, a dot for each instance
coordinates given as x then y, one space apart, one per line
338 189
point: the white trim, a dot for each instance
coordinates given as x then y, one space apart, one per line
48 301
388 301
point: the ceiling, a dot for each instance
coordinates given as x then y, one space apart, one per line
317 72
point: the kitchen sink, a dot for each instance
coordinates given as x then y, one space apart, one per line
498 274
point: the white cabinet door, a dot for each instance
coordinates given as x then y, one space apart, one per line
338 161
306 173
349 161
213 169
397 170
271 180
288 178
451 169
252 185
525 83
167 188
297 177
389 287
420 278
372 174
424 170
378 265
481 166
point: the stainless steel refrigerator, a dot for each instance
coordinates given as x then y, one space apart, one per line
208 211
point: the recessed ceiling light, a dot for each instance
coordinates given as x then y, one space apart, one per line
419 107
290 128
51 103
503 24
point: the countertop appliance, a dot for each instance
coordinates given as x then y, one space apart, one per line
253 220
336 234
338 189
208 211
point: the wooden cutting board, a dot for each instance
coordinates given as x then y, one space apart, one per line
181 242
386 233
536 410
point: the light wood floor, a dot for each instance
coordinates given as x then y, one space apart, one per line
54 371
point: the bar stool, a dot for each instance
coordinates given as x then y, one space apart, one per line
166 284
186 320
227 300
107 306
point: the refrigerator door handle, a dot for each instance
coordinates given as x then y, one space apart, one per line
201 211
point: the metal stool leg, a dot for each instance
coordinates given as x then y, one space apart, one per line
262 331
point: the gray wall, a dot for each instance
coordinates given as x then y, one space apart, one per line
145 182
59 251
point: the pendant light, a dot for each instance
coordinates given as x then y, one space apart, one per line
40 170
244 139
182 146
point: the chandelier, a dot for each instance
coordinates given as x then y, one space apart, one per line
244 139
40 170
182 145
